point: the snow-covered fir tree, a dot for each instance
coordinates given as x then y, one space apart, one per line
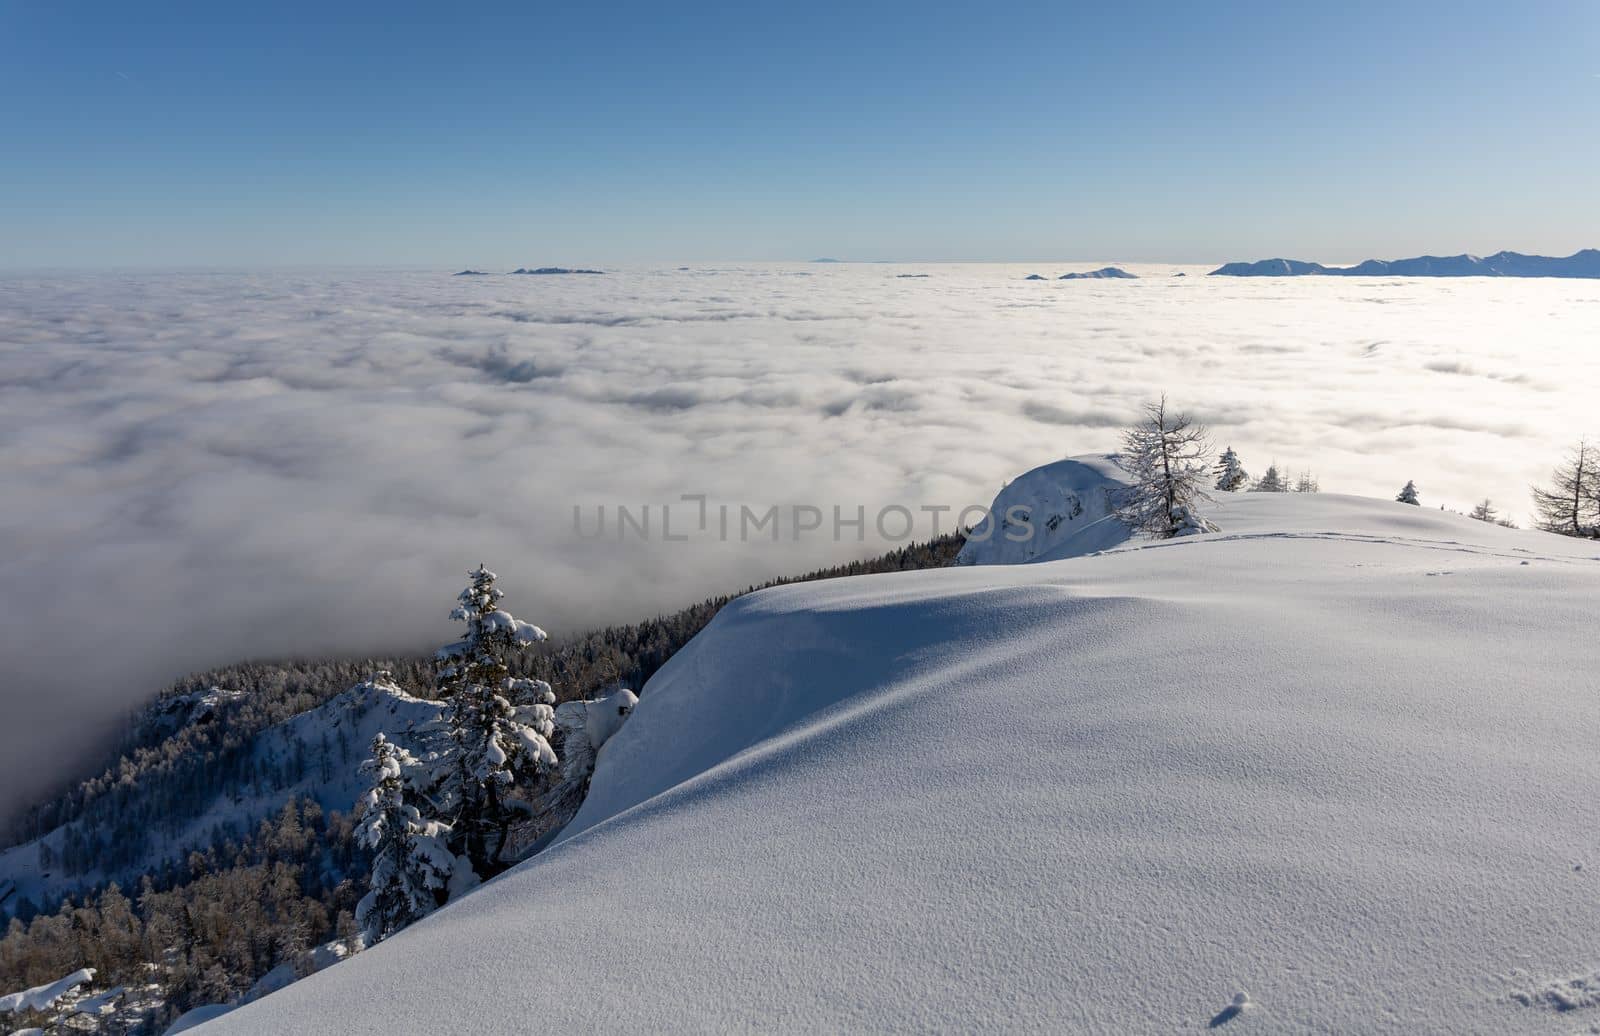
1307 483
1408 495
1484 512
499 725
1166 456
1271 482
1571 505
411 862
1231 476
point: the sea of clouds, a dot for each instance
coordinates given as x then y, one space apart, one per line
198 468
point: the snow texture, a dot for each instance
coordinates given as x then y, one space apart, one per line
198 1017
1104 794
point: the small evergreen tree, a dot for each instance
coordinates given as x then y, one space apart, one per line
1408 495
1571 506
1307 483
499 725
1485 512
1165 454
1231 476
1271 482
411 864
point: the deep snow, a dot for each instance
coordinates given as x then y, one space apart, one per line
1330 769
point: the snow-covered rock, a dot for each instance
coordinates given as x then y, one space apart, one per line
1059 510
581 729
1340 755
42 997
603 717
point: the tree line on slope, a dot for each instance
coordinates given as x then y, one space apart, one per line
1167 454
203 930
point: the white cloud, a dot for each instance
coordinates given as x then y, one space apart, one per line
198 468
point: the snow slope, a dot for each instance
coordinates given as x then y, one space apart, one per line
1338 758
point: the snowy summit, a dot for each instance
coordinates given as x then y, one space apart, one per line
1329 769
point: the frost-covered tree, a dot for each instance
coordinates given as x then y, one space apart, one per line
1271 482
499 725
1231 476
1307 483
1571 505
1485 512
1166 456
1408 495
411 862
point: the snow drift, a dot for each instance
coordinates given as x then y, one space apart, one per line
1332 769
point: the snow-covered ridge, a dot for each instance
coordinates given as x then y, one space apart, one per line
1331 769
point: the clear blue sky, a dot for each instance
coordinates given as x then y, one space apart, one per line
486 133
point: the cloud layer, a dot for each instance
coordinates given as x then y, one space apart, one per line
198 468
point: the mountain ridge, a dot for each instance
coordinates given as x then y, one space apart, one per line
1583 264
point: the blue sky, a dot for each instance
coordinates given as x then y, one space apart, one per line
497 134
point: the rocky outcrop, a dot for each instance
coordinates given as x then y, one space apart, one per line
582 729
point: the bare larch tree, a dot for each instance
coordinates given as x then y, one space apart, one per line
1571 506
1166 455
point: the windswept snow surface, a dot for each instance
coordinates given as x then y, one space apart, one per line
1341 755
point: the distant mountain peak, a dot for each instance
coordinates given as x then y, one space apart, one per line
1104 273
1582 264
